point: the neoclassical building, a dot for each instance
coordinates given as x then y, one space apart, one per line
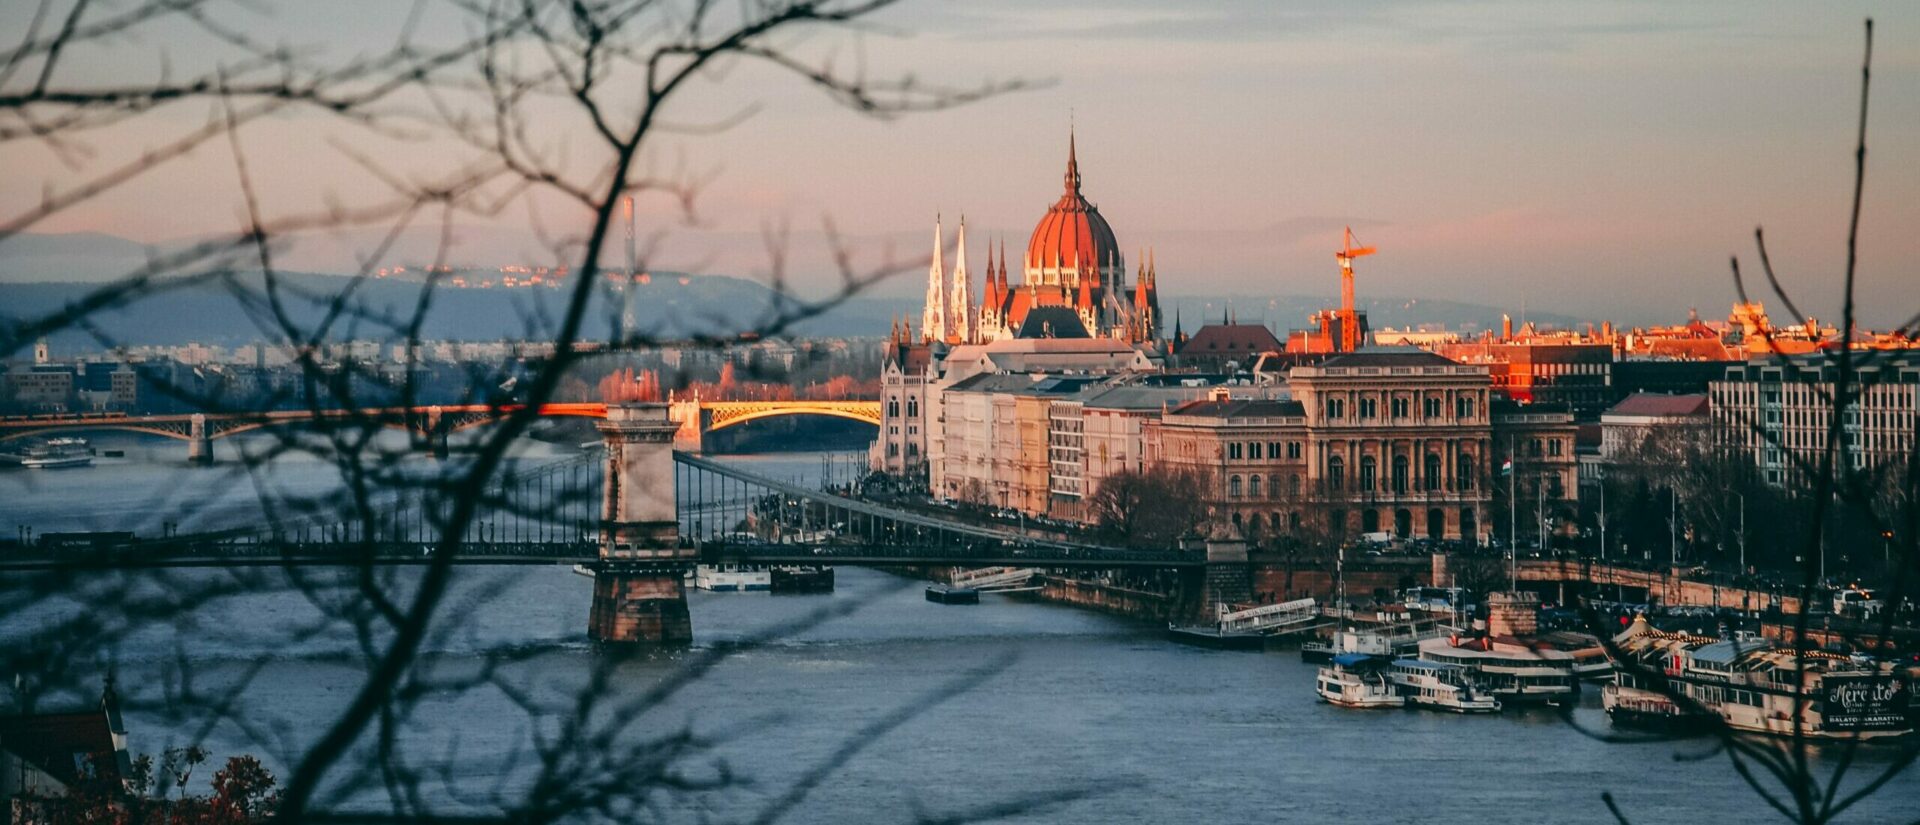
1393 440
1072 262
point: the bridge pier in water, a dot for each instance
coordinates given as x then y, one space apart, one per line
199 442
639 590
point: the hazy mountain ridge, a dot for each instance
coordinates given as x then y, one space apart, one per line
41 273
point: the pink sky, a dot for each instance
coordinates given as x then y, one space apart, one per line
1597 160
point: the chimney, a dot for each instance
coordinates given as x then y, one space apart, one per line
1513 614
1506 327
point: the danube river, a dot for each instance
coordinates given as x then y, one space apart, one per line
1095 707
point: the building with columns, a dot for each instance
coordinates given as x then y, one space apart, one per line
1389 439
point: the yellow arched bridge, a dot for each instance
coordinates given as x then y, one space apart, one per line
697 417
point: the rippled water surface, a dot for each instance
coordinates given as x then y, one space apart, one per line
1071 702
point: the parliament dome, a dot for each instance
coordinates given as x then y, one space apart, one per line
1073 238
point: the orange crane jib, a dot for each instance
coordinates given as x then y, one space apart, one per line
1349 319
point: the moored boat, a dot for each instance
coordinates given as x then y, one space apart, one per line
1441 687
948 594
1512 669
58 453
726 578
801 578
1750 685
1358 680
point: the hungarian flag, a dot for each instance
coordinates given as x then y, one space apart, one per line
1506 468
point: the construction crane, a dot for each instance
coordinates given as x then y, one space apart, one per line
1349 319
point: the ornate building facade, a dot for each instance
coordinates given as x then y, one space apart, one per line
1072 263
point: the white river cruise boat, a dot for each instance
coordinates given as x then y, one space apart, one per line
727 578
1513 670
1357 680
1752 686
1441 687
57 453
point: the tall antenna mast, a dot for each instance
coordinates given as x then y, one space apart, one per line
633 275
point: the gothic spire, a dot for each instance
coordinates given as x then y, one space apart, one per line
933 321
960 302
1073 164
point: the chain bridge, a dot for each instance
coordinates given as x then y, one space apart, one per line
635 512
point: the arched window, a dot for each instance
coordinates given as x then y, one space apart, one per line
1399 474
1369 520
1253 487
1402 523
1368 474
1430 479
1273 520
893 406
1436 523
1233 490
1336 472
1466 471
1293 485
913 407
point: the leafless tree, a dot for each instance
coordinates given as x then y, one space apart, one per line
1153 507
1801 778
556 108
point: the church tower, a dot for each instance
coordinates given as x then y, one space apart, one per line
933 323
960 327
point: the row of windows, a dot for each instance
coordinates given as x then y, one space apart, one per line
1368 408
893 407
1253 450
1367 477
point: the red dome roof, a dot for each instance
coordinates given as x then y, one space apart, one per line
1072 236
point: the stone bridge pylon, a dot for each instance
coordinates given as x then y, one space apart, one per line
639 589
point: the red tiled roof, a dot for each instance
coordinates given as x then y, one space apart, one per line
1652 404
1231 338
1693 349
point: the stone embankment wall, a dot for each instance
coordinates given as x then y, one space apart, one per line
1314 578
1107 598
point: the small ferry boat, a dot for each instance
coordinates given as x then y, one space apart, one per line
1441 687
1513 670
948 594
58 453
1216 637
1369 642
730 578
801 578
1358 680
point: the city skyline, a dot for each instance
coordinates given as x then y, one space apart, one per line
1608 161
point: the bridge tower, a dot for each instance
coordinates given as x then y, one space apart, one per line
692 418
199 442
436 430
638 592
1228 579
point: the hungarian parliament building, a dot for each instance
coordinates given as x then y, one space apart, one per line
1073 283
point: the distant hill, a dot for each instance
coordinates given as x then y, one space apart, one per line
671 306
39 274
79 257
